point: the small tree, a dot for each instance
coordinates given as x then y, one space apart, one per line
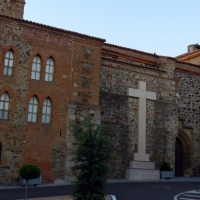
28 172
92 151
165 166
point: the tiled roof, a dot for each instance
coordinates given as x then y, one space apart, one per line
127 63
129 49
146 53
187 54
54 28
137 51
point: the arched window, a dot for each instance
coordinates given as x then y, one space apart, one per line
46 111
8 63
1 148
32 109
49 70
36 67
4 106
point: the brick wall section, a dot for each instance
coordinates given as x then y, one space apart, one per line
12 8
43 144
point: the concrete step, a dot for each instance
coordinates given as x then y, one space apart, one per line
141 165
142 174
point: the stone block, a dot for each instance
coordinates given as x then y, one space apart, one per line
69 163
97 117
141 165
141 156
72 106
142 174
71 111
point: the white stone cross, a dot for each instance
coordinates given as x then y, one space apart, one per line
143 95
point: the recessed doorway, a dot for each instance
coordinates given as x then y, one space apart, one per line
178 158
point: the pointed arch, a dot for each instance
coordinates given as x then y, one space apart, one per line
4 106
36 67
186 154
46 111
8 63
33 109
49 70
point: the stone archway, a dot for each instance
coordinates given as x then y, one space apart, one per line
183 155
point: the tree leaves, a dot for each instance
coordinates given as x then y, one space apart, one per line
92 151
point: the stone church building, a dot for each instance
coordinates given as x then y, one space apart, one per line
51 78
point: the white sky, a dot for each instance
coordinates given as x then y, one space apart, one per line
154 26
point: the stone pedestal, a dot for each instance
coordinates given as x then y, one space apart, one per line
140 170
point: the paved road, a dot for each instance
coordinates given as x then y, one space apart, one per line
150 191
189 195
123 191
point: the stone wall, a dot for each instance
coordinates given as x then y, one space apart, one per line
12 8
120 112
77 113
188 99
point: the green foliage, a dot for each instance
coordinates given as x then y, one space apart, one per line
92 151
29 171
165 166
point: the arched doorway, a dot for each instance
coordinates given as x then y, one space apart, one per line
183 155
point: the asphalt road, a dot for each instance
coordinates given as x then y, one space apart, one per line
123 191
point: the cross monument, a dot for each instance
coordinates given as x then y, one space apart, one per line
142 94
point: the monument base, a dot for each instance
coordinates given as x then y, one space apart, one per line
140 170
141 156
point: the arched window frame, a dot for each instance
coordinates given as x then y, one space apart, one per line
46 111
8 63
4 106
49 70
36 68
33 109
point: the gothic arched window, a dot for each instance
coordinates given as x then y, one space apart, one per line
49 70
4 106
1 148
46 111
36 68
8 63
33 109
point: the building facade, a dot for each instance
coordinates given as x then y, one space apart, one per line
52 78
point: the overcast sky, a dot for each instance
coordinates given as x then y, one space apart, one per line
154 26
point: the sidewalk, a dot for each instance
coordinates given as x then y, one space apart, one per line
51 198
57 198
176 179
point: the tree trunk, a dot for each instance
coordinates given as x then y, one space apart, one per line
26 189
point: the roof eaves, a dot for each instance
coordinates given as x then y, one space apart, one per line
129 49
126 63
54 28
